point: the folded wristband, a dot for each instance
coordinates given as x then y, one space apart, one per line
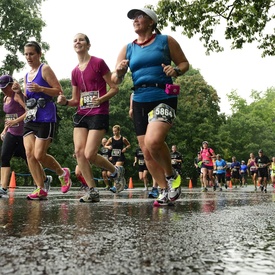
178 71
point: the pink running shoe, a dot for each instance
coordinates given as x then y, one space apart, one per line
66 182
38 194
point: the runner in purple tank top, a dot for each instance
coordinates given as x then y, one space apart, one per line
41 86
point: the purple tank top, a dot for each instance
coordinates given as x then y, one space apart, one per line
48 113
14 110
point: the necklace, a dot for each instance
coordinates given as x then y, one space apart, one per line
146 41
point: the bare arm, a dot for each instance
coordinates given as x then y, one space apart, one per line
131 106
50 77
127 143
177 55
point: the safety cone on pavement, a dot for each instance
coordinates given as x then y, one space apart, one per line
190 184
230 184
12 180
131 185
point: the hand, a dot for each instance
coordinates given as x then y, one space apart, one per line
131 113
122 68
96 101
61 99
169 70
33 87
9 123
16 87
3 134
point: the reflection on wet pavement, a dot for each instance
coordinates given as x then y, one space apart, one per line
230 232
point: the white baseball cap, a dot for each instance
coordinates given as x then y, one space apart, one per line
148 12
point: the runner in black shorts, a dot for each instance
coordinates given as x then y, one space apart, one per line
262 163
142 168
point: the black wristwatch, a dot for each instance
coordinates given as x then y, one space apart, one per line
178 71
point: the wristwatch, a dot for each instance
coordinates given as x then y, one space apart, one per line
178 71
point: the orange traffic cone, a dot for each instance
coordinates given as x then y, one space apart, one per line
12 180
230 184
190 184
131 185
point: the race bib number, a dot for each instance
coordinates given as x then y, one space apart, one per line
261 165
9 117
219 168
116 152
31 114
162 112
141 162
173 161
86 99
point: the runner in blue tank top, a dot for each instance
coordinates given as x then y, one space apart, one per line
150 58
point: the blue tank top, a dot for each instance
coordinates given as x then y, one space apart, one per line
145 64
48 113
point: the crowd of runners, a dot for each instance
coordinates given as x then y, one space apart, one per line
214 172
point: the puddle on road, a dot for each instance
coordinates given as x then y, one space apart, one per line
204 233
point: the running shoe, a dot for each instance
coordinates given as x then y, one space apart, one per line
262 188
265 190
3 193
174 187
220 189
119 179
91 196
154 193
113 189
47 183
65 180
204 189
38 194
163 197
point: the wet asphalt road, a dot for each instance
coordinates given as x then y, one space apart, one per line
229 232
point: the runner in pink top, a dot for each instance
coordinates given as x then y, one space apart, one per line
206 156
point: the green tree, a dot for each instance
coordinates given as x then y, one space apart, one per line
245 21
250 127
20 20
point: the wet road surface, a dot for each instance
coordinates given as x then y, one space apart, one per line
229 232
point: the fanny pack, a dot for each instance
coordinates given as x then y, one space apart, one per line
40 102
157 85
170 89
